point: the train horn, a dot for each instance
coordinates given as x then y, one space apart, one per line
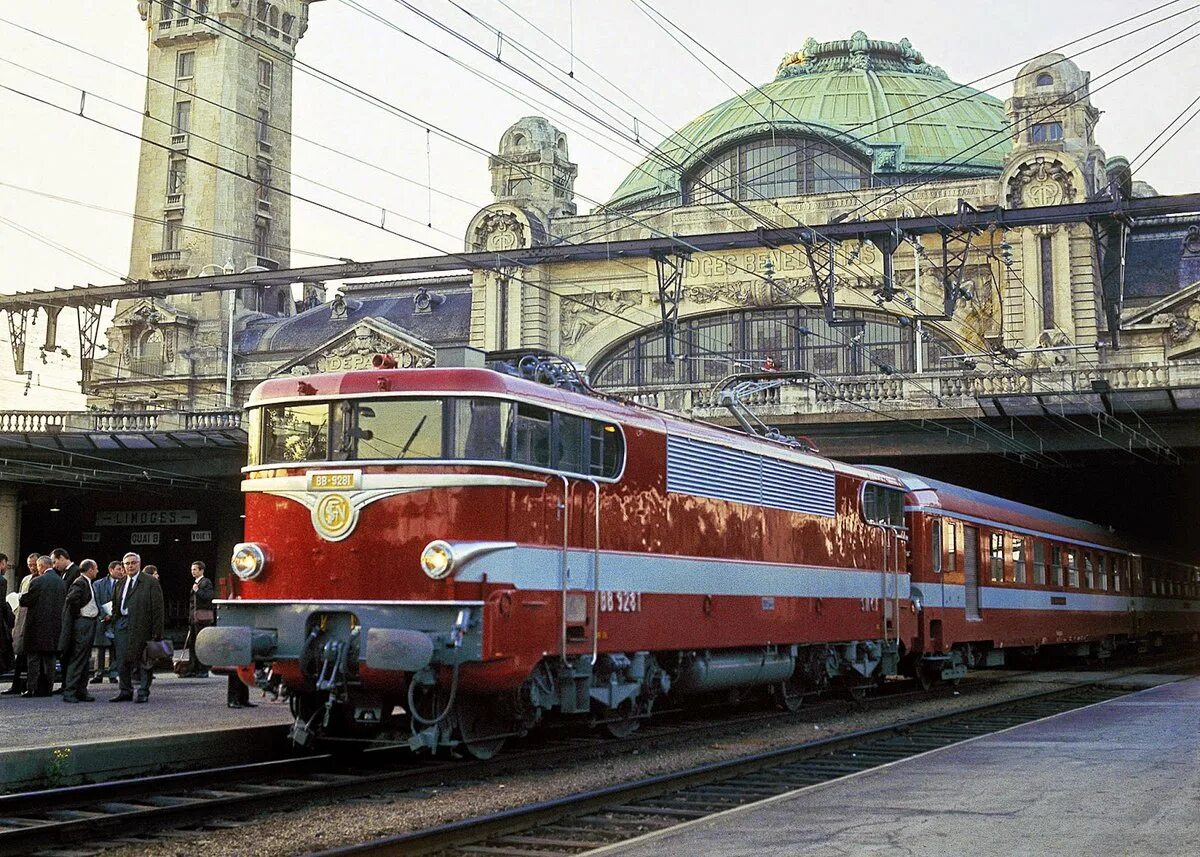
383 361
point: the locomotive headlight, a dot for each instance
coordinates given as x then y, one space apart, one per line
248 560
437 560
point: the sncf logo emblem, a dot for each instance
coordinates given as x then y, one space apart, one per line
334 516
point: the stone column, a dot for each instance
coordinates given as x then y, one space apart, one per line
10 530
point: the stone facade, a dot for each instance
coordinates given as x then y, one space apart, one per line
1032 301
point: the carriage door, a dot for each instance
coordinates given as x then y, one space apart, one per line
1136 592
581 530
971 571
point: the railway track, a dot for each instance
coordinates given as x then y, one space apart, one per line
583 822
86 819
75 820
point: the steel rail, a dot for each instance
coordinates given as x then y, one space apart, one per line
994 218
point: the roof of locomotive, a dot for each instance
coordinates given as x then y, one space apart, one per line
967 502
489 382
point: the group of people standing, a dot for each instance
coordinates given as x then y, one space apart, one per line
64 610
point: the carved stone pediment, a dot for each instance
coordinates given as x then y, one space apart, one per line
1176 317
151 312
356 347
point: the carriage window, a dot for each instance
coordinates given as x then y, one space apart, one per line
1072 569
400 428
1039 563
935 544
531 436
997 557
569 443
1056 561
295 433
1018 558
1118 569
883 505
1103 563
478 428
951 546
607 450
1089 572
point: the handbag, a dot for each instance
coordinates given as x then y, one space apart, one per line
199 616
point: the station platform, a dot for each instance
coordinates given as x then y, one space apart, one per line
1116 778
45 742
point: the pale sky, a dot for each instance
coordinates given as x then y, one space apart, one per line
56 153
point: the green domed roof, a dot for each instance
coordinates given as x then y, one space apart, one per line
880 100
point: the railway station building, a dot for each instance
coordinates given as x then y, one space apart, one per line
1066 348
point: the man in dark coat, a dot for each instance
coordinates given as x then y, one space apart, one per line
63 566
201 616
78 633
43 625
6 618
138 608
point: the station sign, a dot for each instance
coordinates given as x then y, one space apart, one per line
147 518
143 538
202 535
89 538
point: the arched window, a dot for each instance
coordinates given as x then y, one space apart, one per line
1045 80
784 166
792 338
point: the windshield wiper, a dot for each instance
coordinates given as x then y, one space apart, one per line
413 436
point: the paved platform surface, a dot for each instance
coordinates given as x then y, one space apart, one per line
1119 778
185 723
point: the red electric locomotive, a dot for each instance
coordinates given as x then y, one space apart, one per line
456 553
991 576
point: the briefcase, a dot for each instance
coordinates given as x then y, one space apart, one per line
157 652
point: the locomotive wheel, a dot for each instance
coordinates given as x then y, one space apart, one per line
789 694
622 721
480 729
926 678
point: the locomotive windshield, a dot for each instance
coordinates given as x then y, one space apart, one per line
458 429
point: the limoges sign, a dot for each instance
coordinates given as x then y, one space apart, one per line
147 518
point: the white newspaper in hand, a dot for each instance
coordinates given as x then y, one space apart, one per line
14 600
106 609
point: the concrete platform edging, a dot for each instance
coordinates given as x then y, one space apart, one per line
69 764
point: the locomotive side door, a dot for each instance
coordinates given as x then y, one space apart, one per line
971 571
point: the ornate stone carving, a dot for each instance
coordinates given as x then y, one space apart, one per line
1181 324
500 231
757 292
579 313
357 352
1040 182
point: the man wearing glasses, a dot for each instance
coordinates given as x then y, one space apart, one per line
137 619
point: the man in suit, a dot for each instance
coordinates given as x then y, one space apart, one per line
104 627
6 618
78 633
138 612
20 662
43 625
65 569
201 616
